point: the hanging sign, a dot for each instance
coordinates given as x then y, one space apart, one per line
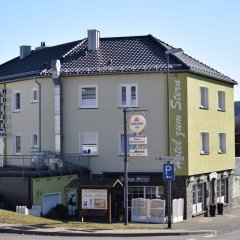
137 123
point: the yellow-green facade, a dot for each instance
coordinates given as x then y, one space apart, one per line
48 185
188 120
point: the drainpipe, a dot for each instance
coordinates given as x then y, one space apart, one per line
56 66
39 115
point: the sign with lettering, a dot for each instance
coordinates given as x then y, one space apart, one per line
138 152
94 198
178 120
168 172
137 123
137 140
3 117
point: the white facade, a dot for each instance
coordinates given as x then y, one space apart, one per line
104 118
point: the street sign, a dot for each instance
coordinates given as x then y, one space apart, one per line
168 172
138 152
176 158
138 140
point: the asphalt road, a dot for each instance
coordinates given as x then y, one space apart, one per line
229 236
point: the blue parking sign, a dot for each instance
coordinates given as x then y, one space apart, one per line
168 172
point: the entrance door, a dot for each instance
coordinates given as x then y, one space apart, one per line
198 193
49 201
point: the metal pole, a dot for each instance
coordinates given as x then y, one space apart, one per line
169 189
125 166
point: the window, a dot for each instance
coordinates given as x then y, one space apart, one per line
146 192
34 95
197 197
16 101
204 148
121 146
221 100
222 143
128 95
88 96
222 190
89 143
204 97
17 144
34 140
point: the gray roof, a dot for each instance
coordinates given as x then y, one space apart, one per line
115 55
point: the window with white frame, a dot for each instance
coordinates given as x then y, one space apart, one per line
88 96
222 190
34 140
221 100
128 95
16 101
147 192
204 143
121 145
197 197
204 97
17 144
222 143
34 95
89 143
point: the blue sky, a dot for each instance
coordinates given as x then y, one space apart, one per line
207 30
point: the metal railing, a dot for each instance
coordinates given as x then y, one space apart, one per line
40 163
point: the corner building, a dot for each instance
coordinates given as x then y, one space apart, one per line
69 99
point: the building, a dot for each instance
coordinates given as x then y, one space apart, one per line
69 99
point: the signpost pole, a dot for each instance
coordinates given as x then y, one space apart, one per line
125 166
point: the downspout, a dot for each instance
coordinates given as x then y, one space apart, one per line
39 115
56 66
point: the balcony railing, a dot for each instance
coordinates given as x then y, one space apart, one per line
43 162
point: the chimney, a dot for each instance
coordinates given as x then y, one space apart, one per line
93 39
25 51
43 45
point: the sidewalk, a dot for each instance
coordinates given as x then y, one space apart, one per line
196 226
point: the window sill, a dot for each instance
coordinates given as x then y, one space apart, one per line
16 111
34 102
220 152
198 213
204 153
87 108
121 107
221 110
89 155
34 147
204 108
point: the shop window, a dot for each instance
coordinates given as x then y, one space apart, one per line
197 197
147 192
222 190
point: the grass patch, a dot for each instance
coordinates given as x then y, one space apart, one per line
9 217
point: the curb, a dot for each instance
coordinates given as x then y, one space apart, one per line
91 234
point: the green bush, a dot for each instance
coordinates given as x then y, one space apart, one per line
60 211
